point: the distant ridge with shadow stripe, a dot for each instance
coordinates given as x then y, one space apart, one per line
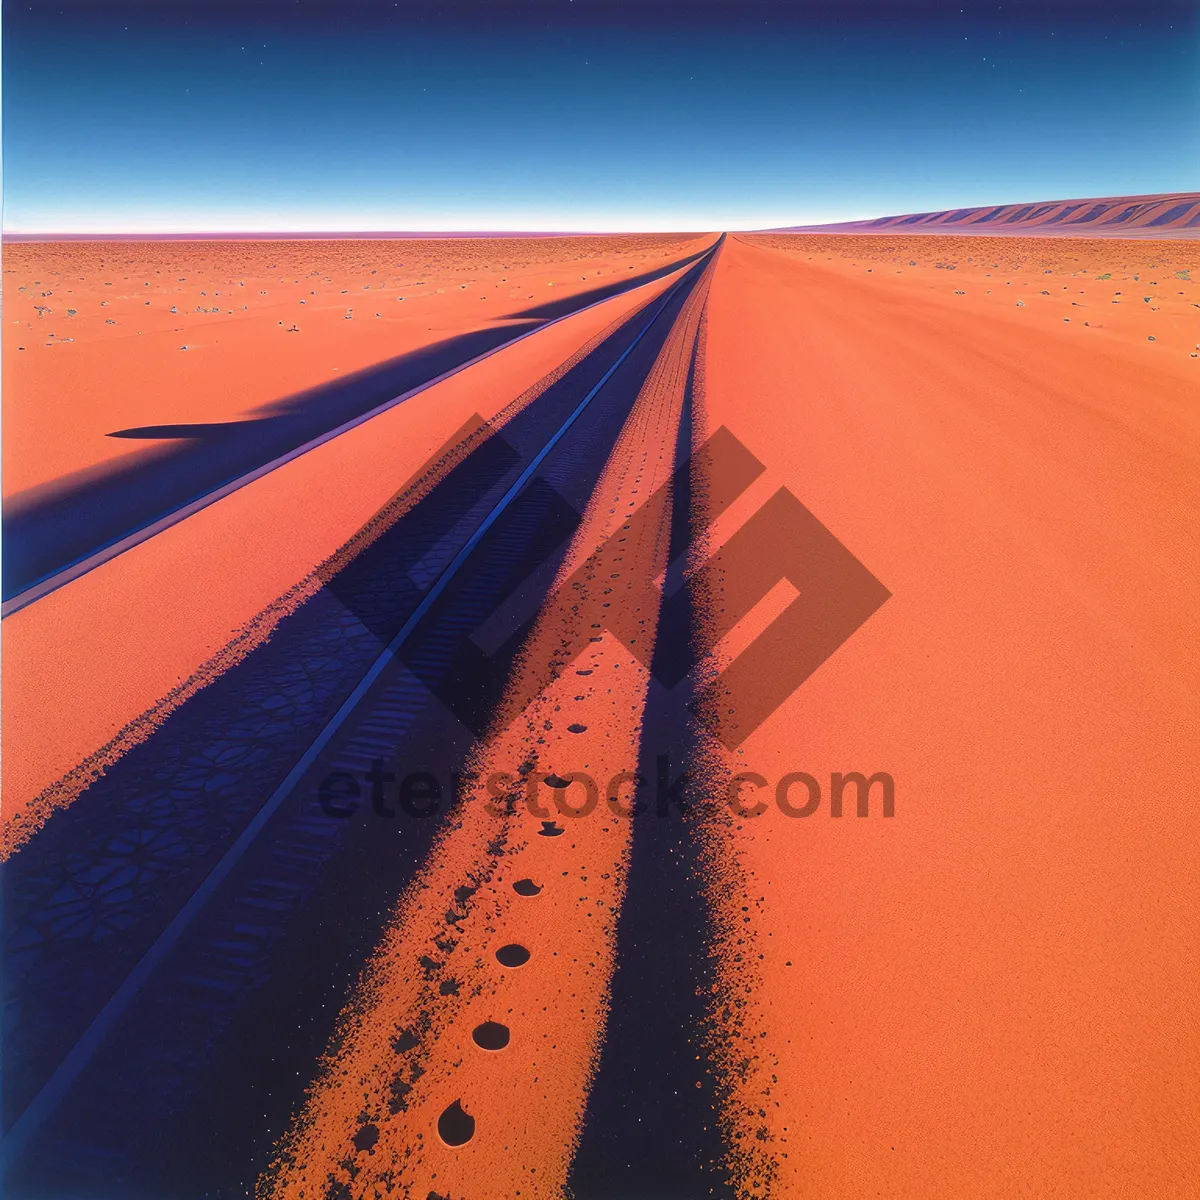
1168 215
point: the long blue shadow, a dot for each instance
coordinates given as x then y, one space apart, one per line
56 526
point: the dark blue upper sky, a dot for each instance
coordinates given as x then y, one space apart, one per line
582 114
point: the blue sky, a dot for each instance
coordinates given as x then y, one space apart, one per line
125 124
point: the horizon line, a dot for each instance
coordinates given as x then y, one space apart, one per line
341 235
840 224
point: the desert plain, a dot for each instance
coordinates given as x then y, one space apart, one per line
978 990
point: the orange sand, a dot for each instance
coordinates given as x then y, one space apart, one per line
91 345
1132 291
92 668
992 993
526 1099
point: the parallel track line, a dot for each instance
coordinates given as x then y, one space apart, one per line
83 566
85 1048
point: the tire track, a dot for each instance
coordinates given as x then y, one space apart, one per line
463 1062
651 1125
